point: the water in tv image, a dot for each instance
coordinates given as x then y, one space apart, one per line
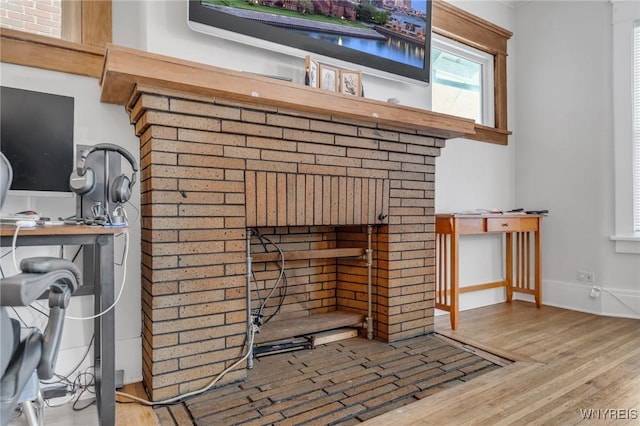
395 30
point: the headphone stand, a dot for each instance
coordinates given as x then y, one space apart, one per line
104 164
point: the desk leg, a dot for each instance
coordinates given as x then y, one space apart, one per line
538 266
104 329
453 307
509 265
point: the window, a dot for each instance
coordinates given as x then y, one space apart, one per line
462 81
480 36
626 123
43 17
636 126
85 26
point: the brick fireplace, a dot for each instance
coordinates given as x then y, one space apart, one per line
222 152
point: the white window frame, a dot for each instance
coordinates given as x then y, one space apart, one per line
625 13
487 79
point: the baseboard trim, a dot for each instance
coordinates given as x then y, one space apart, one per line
567 295
611 301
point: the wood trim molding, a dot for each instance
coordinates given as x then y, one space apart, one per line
17 47
96 23
125 68
489 134
459 25
83 58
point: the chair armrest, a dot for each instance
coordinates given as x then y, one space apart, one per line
49 264
40 274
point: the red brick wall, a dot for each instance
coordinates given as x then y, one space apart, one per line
195 152
42 17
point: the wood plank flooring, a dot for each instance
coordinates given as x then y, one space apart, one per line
566 361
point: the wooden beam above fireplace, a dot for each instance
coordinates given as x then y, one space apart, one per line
124 68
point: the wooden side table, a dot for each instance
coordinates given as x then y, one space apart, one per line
522 236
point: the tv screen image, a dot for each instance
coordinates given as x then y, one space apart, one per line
389 36
36 136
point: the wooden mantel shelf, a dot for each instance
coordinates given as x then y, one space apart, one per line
124 68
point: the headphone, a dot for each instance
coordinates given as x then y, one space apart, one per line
82 179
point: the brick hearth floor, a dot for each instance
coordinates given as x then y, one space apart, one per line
344 382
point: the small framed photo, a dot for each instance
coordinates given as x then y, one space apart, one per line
350 82
328 78
311 72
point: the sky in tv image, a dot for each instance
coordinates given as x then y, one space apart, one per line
392 29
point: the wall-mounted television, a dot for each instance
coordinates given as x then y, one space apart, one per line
390 38
36 136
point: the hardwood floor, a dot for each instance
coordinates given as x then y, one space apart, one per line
129 414
566 361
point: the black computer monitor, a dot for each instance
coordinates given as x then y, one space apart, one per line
36 136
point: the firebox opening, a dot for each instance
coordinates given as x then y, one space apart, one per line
306 280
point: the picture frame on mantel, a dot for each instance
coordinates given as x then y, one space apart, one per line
351 82
311 69
328 78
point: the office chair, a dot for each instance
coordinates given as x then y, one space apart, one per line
23 362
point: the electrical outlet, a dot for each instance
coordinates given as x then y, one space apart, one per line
586 277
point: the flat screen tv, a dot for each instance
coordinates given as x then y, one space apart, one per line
390 38
36 136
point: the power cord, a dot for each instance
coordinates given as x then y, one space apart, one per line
281 278
181 398
13 247
595 293
124 280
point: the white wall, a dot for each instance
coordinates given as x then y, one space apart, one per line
94 122
564 154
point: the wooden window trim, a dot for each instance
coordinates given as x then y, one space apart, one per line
88 23
456 24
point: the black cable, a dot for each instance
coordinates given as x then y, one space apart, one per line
283 293
76 408
283 288
6 254
83 387
66 378
38 310
20 318
258 234
75 256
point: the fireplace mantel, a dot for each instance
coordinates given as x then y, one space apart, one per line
124 68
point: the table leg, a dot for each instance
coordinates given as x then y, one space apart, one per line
509 265
453 307
104 329
538 266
